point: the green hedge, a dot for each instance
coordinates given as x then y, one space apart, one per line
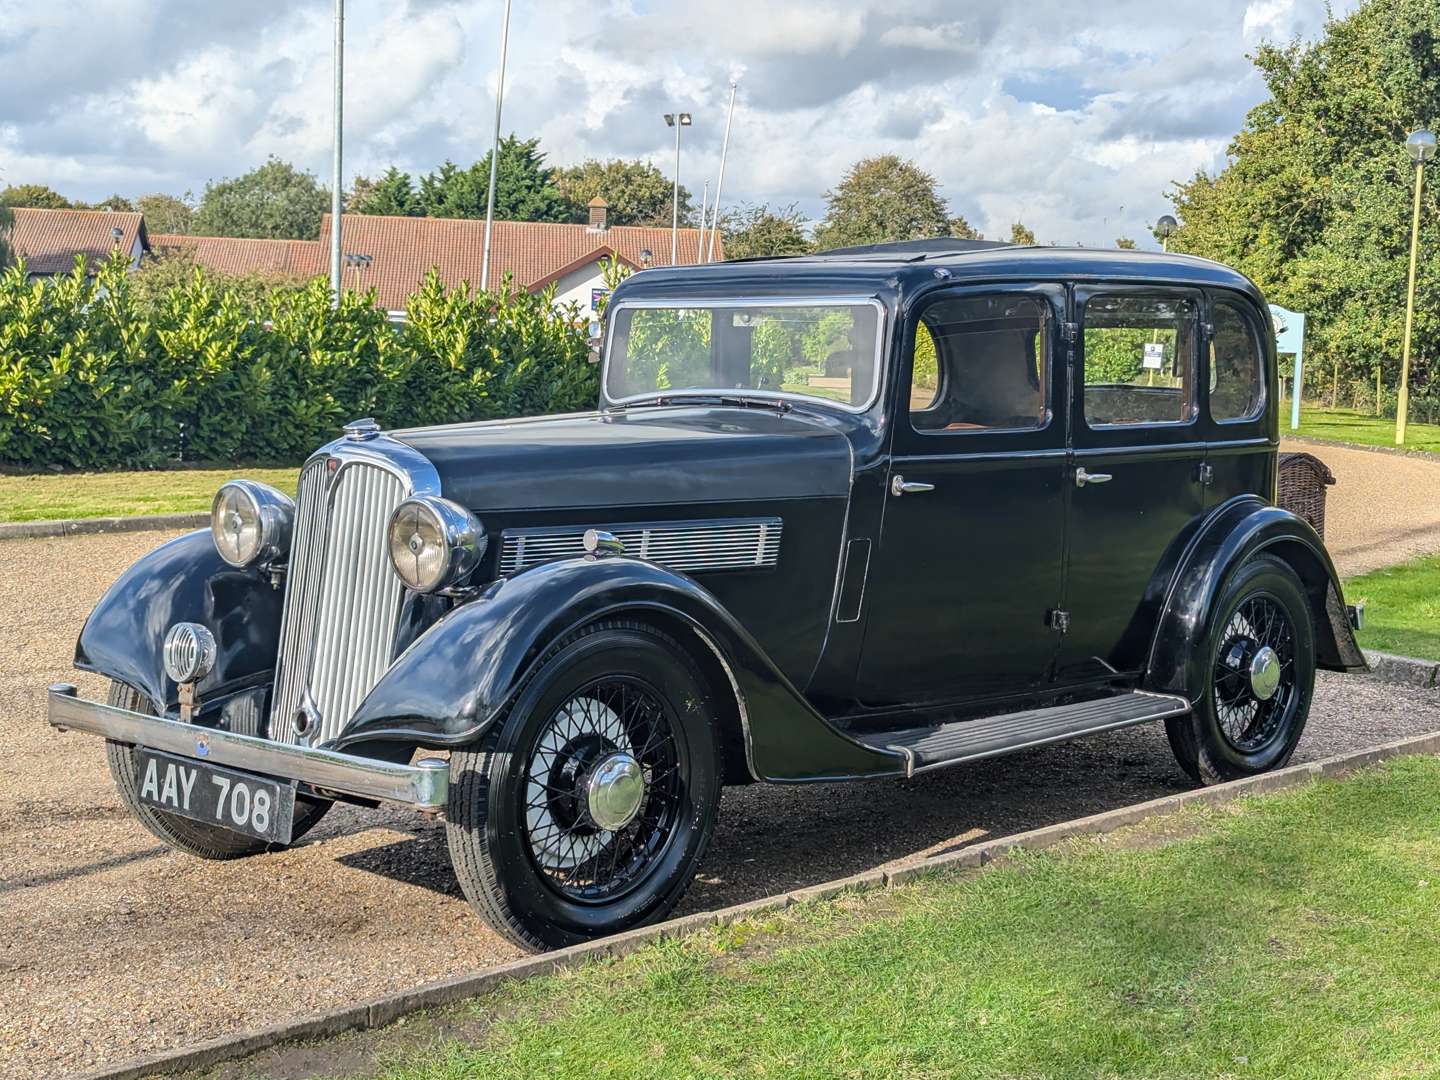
92 376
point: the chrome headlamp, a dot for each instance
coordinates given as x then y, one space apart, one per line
251 523
434 543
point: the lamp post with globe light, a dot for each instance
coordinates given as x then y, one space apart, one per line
1420 145
1166 227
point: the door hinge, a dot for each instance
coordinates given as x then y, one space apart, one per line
1058 620
1205 474
1070 332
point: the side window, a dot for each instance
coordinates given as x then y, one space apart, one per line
1237 389
981 362
1139 360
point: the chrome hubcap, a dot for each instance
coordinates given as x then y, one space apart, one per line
1264 673
615 791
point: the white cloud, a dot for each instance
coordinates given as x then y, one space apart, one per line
1073 118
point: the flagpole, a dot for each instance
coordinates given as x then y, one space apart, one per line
720 181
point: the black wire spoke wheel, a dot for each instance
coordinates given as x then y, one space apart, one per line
1255 673
1253 676
586 810
603 789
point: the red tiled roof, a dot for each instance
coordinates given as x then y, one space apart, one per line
533 253
235 255
50 239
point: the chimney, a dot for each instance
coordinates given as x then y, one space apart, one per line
599 210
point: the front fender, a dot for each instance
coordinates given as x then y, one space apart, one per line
1237 530
184 580
458 677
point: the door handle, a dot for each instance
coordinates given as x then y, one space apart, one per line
900 486
1082 477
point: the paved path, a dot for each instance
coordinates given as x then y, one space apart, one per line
1383 509
115 946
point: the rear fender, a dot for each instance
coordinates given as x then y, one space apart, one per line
1236 531
456 680
184 580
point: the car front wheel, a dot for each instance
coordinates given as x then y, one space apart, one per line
1260 664
586 810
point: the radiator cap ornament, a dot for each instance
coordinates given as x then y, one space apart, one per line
362 430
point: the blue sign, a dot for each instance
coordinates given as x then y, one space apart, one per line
1290 338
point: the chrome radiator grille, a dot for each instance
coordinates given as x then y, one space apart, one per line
342 599
689 546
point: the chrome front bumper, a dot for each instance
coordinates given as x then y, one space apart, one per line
421 786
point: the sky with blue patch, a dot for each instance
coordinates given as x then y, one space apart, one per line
1073 118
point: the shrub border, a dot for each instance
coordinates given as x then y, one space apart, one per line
382 1011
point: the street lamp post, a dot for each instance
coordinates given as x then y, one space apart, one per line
336 204
358 263
1420 145
495 150
1166 227
676 121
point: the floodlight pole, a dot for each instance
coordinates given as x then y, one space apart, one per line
336 203
720 180
495 150
1402 405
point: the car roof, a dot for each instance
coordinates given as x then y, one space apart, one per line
905 267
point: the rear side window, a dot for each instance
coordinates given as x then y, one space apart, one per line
1237 389
980 362
1139 360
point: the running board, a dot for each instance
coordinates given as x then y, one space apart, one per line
970 740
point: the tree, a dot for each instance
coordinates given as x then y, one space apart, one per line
524 187
756 231
638 192
393 194
882 199
1019 234
167 213
274 201
7 249
34 197
1314 202
961 229
1125 244
114 202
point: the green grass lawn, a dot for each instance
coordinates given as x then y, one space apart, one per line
43 496
1292 934
1402 608
1347 425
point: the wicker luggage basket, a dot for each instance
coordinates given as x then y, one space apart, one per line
1301 488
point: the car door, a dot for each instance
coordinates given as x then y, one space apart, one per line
1238 381
969 561
1136 488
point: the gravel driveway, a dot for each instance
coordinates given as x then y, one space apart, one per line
1384 508
114 946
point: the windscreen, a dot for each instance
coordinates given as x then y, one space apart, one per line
814 350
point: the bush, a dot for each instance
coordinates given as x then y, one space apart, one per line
93 375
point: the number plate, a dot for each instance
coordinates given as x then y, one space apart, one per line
242 802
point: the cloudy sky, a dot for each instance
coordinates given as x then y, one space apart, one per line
1073 117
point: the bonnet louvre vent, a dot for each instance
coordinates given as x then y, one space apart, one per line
690 546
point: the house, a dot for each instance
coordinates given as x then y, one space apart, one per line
237 255
49 240
393 254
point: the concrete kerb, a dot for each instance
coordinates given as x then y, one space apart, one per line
32 530
386 1010
1404 670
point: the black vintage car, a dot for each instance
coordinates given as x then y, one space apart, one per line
850 516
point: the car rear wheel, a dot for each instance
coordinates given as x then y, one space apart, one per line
1260 664
192 837
587 809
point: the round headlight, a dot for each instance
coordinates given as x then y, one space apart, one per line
251 523
434 543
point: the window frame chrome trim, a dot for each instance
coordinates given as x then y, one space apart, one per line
882 332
